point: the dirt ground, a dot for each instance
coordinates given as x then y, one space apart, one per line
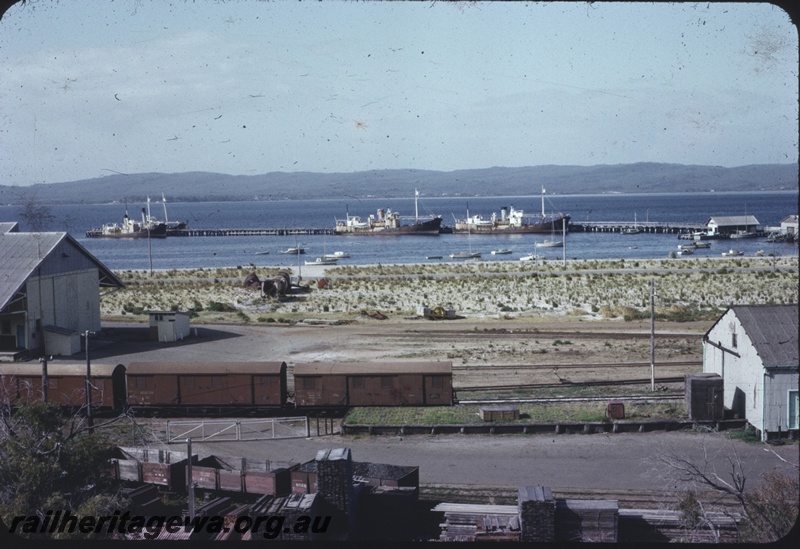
484 353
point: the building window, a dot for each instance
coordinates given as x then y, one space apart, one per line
733 340
794 409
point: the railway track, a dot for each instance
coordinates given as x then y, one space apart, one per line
516 334
642 381
590 365
628 499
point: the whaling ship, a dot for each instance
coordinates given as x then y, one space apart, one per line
148 227
512 221
387 222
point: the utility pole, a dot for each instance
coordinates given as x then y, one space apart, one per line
89 417
45 381
652 334
190 481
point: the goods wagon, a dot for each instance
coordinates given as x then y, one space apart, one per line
66 384
330 384
206 384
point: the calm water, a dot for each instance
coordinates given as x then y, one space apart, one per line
768 207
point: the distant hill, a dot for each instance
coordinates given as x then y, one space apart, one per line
619 178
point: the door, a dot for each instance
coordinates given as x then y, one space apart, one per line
20 336
794 410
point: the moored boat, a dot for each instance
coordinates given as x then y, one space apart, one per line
512 221
550 244
465 255
130 228
501 251
732 253
389 223
322 261
742 234
294 251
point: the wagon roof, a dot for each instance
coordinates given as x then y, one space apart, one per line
208 368
373 368
34 369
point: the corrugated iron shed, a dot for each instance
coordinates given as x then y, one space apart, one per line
773 331
23 253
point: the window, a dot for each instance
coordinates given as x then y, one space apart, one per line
733 340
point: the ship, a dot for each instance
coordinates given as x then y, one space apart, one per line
148 227
512 221
389 223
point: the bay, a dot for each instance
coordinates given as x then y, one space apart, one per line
196 252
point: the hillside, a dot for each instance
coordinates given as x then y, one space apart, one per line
621 178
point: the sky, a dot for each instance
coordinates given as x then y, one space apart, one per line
88 89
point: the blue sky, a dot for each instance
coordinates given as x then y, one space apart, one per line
248 87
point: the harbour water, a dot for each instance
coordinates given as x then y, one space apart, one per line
195 252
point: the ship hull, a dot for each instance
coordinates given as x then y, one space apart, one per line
159 231
430 227
542 227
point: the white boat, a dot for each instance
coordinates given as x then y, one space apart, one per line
689 247
732 253
336 255
465 255
743 234
262 253
531 257
701 244
632 230
550 244
501 252
322 261
294 251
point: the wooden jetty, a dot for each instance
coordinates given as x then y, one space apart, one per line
652 227
287 231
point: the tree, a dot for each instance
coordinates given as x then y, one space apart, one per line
52 460
772 509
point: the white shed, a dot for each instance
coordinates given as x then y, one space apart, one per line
789 226
168 326
754 348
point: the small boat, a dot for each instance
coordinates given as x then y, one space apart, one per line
777 237
689 247
502 251
702 244
732 253
433 257
550 244
633 247
262 253
760 253
686 251
531 257
336 255
743 234
294 251
322 261
465 255
632 230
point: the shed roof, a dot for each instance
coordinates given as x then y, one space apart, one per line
733 220
773 331
205 368
57 369
372 368
8 227
22 253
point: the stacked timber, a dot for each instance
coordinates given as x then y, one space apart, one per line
335 482
473 522
587 520
537 512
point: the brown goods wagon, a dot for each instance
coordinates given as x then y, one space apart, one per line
373 384
304 478
276 482
66 383
163 467
381 474
207 383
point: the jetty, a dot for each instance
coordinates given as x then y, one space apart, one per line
652 227
287 231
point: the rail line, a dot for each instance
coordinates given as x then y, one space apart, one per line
591 365
517 334
565 384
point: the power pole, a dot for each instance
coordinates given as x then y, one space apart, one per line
45 381
190 485
89 417
652 334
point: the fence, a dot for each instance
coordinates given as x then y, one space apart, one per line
228 430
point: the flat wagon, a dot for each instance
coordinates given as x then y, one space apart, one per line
334 384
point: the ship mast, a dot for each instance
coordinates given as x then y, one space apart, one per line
416 205
166 219
543 214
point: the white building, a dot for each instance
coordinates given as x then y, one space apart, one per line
728 224
169 326
49 292
754 348
789 226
